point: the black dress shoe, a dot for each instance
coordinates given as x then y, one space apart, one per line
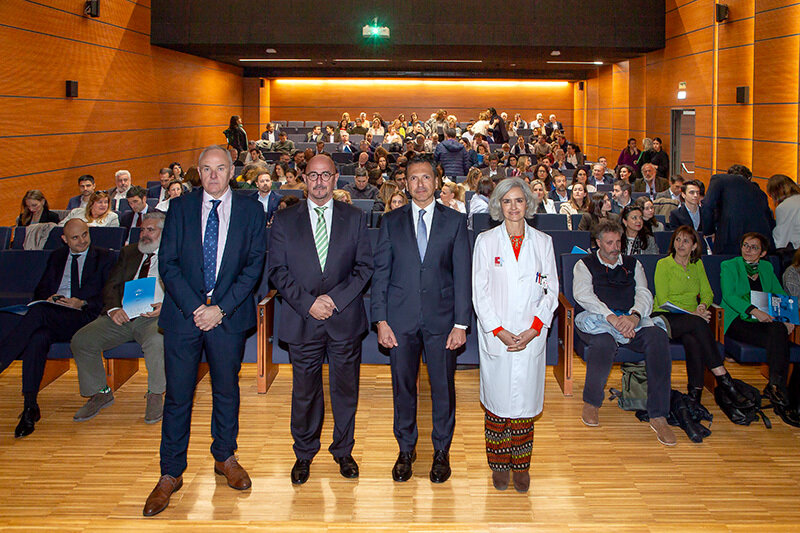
725 382
27 420
789 415
440 471
775 395
347 466
300 471
402 467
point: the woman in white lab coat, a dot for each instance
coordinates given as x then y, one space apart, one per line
515 293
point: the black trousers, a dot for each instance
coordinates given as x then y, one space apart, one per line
182 355
698 341
441 363
32 335
599 354
308 399
769 335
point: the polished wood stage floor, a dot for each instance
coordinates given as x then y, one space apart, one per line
96 475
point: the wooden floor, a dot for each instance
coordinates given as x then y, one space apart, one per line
96 475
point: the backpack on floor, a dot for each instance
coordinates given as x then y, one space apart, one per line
633 396
737 414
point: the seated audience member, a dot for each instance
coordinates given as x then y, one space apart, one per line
624 173
292 181
649 183
73 284
599 209
340 195
160 191
494 171
397 199
247 179
512 166
599 175
480 200
452 155
283 145
519 123
330 135
744 322
34 210
521 147
237 161
191 179
577 203
361 189
137 199
560 192
362 159
541 148
314 135
613 287
545 204
734 206
392 137
253 156
375 176
449 197
688 214
86 186
559 160
649 213
383 165
638 238
629 154
320 149
582 176
621 196
474 175
608 174
345 145
174 190
269 199
541 172
681 280
402 183
177 170
785 193
97 212
574 156
376 128
279 173
791 276
359 128
385 193
114 327
123 181
675 187
269 134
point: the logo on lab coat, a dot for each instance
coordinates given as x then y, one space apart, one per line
498 261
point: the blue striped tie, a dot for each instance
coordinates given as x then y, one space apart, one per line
210 247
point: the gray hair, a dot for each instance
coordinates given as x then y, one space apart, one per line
502 188
156 215
211 149
119 173
361 171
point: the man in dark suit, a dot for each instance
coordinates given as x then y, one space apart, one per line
210 259
553 126
114 327
269 199
73 284
314 135
123 180
689 213
494 171
161 192
86 186
560 193
421 299
733 206
137 199
649 182
321 275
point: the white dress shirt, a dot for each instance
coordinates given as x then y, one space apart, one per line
264 199
224 213
583 290
328 214
65 288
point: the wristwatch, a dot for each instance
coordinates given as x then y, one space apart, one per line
637 314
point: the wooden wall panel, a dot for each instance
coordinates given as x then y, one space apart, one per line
691 16
620 118
139 107
775 75
731 151
778 22
777 123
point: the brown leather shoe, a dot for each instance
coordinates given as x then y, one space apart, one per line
522 480
159 498
663 431
590 415
233 471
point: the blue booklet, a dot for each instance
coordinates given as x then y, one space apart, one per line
22 309
139 296
781 307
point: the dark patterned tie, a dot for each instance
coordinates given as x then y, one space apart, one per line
210 246
74 276
145 270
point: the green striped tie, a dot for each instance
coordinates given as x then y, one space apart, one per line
321 236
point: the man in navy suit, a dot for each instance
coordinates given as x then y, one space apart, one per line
210 260
689 213
421 299
137 200
86 186
74 279
269 199
161 192
320 262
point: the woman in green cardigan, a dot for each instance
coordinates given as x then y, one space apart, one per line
744 322
681 280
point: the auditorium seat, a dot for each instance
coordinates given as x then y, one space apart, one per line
295 123
5 237
20 272
291 192
341 158
271 157
112 238
663 238
151 184
364 205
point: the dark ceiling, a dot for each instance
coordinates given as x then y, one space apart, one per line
512 39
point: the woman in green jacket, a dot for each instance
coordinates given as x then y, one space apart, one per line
681 280
744 322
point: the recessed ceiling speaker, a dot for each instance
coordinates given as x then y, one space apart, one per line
722 12
72 89
743 95
92 8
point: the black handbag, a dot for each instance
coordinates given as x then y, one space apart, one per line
738 414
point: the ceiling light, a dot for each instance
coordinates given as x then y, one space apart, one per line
268 60
575 62
555 53
271 51
513 64
362 60
445 61
421 82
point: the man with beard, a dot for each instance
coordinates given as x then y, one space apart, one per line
114 327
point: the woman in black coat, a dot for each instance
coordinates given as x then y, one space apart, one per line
660 158
236 135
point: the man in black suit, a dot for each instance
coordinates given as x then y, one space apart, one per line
161 192
690 213
137 199
421 299
560 193
733 206
494 171
73 284
321 274
86 186
210 259
554 126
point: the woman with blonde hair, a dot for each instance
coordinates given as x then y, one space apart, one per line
539 190
97 212
385 192
578 203
340 195
35 210
448 197
377 127
397 199
473 177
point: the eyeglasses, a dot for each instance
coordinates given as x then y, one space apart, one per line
324 176
751 247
